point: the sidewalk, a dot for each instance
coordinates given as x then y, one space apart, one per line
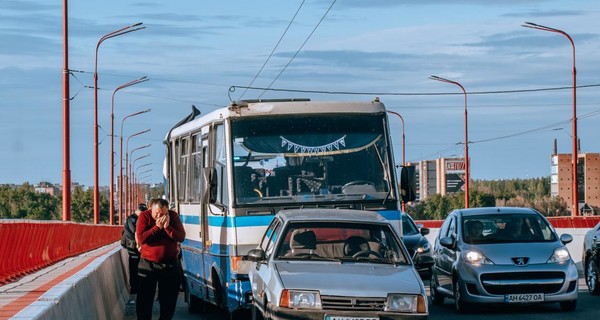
17 295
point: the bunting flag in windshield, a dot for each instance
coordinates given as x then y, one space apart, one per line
311 145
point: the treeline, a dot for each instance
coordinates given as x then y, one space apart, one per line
534 193
24 203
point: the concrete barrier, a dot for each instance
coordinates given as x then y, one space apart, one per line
98 291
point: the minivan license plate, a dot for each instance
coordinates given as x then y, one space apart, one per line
524 298
329 317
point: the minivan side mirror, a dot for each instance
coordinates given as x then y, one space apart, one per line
424 231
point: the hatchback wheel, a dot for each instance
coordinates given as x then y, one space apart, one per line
592 277
436 297
459 304
568 305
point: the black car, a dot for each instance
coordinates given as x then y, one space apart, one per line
418 246
591 259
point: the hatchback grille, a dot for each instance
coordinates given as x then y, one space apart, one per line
522 282
352 303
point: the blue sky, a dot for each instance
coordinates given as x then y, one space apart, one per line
193 51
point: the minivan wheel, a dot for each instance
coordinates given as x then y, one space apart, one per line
436 298
591 277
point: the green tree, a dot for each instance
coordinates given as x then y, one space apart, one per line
82 205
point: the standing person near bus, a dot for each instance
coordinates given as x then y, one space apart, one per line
128 241
159 230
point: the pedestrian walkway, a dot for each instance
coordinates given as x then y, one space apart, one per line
16 296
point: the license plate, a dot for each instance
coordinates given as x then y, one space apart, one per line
524 298
329 317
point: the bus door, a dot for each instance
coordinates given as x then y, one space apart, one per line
204 210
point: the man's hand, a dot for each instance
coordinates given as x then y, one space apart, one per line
162 221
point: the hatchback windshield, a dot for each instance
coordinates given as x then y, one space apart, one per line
374 243
501 228
408 226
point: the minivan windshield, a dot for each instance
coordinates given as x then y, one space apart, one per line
502 228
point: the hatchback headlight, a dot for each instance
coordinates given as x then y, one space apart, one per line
300 299
397 302
560 255
475 257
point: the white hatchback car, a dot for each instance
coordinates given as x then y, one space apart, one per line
331 264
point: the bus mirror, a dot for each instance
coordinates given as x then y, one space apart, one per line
209 178
408 183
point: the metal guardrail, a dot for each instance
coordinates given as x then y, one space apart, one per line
557 222
30 245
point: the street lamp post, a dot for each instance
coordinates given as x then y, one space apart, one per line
575 155
66 177
122 31
127 159
112 144
467 175
133 179
121 193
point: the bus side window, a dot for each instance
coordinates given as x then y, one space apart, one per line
221 164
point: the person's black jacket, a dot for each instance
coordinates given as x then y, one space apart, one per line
128 237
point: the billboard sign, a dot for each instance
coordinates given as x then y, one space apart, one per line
455 176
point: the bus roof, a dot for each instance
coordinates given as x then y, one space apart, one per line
279 107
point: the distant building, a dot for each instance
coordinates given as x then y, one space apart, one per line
588 179
46 187
440 176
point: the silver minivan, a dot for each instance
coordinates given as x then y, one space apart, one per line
502 255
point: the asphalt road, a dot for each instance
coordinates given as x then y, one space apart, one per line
588 307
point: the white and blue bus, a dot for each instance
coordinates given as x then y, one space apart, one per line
229 172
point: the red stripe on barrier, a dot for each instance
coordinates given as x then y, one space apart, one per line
29 245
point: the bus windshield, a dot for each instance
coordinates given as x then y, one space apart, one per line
308 158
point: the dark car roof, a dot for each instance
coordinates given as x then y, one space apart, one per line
331 214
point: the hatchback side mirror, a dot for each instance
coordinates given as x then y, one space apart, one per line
448 242
566 238
424 231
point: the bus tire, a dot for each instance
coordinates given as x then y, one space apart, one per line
195 304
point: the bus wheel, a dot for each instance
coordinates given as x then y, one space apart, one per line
195 304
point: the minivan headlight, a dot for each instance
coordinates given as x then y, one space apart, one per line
300 299
475 257
560 255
